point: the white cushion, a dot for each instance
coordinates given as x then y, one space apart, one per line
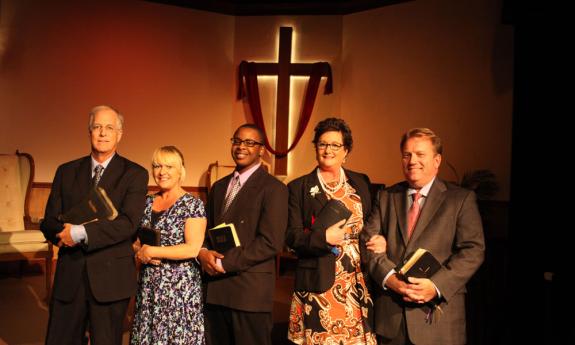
23 247
11 195
22 237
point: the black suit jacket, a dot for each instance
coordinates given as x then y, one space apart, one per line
108 256
259 213
315 270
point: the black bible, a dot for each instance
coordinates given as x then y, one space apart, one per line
96 206
332 212
420 264
149 236
223 237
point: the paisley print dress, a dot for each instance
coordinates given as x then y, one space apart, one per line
341 314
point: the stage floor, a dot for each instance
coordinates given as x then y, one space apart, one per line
24 309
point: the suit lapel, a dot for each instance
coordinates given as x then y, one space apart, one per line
312 186
243 196
219 196
112 173
432 203
252 184
400 202
83 181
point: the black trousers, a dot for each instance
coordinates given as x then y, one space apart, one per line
69 320
226 326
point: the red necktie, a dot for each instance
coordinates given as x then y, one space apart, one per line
412 214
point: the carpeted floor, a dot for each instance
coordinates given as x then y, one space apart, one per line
24 311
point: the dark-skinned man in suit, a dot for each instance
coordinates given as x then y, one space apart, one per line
239 296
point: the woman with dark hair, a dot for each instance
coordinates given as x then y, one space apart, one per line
331 304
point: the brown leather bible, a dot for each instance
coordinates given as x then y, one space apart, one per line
96 206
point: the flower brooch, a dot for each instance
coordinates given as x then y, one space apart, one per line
314 191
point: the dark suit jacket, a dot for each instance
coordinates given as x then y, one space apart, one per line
108 256
315 271
259 213
449 226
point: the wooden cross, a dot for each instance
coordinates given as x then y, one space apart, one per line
283 69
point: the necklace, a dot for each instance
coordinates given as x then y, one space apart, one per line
328 189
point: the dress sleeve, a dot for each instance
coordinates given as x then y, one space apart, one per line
196 208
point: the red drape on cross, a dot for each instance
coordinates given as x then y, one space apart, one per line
248 87
251 89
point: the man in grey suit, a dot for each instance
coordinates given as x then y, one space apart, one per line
444 220
239 293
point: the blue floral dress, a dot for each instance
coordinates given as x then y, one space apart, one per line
169 306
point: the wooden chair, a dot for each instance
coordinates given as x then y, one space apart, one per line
216 171
18 240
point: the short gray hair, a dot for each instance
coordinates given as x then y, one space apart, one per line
99 108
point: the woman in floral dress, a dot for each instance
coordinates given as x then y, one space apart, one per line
331 304
168 304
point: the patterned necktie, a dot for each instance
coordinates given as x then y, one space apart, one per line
234 189
98 170
412 214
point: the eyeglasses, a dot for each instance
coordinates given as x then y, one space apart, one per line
247 142
334 146
107 128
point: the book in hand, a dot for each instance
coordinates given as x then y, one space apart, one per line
223 237
149 236
420 264
332 212
97 205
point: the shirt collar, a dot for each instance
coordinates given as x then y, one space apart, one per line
424 191
104 163
246 174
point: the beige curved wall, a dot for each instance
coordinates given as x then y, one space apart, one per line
172 71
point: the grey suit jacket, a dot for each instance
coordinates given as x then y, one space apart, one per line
259 213
449 226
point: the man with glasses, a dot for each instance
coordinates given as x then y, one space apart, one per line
240 287
96 274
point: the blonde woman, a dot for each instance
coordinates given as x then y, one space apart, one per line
168 303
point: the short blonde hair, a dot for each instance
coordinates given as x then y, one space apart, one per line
172 156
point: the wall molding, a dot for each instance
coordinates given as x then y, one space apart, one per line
191 189
40 192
